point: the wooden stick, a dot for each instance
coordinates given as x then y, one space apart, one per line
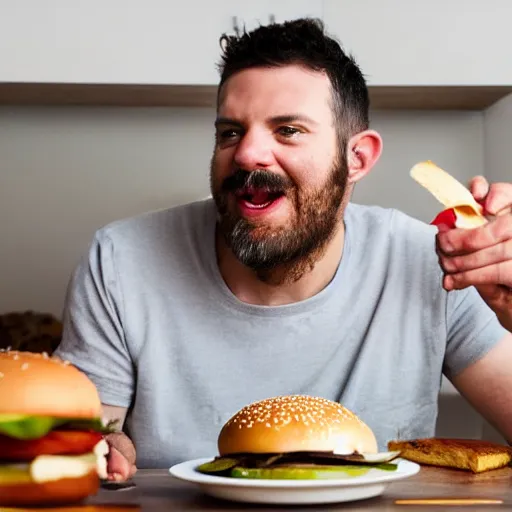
449 501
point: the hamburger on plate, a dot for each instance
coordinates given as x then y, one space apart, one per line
296 437
52 449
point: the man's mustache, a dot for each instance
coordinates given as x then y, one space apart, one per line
270 181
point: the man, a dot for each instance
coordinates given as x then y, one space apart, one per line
279 285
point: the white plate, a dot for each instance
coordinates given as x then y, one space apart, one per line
293 492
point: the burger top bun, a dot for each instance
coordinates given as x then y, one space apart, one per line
295 423
35 384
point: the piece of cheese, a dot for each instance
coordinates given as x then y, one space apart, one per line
47 468
101 451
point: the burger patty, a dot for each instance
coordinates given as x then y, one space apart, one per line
56 442
222 465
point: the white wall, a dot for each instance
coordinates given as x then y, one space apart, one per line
451 139
64 172
498 140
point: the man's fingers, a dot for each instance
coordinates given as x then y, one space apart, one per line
498 274
121 458
496 198
118 467
123 444
479 187
499 198
489 256
464 241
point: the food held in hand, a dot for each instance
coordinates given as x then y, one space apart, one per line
297 437
51 434
467 454
461 208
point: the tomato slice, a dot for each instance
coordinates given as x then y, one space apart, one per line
446 217
56 442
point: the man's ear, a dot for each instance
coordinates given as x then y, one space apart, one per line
363 151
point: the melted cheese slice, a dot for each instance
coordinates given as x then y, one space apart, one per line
450 193
47 468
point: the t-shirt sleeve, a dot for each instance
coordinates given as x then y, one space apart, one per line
93 337
472 330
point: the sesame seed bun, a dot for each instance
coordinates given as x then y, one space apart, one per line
295 423
35 384
64 491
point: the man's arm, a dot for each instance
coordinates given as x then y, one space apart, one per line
114 413
482 257
487 385
122 456
93 337
94 341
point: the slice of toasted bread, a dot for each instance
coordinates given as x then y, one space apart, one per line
469 454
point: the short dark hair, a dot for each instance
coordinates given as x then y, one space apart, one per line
303 42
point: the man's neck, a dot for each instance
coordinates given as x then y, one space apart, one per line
247 287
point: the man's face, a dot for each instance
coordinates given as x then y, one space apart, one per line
277 175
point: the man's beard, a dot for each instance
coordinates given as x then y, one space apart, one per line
281 254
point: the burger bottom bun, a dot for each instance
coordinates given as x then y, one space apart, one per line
59 492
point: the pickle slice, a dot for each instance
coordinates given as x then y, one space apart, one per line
217 465
298 473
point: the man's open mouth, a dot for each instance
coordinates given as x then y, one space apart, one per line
257 198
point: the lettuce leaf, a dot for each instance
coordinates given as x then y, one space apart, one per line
34 427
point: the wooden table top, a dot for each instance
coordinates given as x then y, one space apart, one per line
156 490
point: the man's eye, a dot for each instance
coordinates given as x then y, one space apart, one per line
288 131
227 134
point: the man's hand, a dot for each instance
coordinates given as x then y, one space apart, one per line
482 257
121 457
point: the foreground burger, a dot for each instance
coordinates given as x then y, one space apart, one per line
296 437
51 445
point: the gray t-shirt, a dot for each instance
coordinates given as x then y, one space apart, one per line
151 321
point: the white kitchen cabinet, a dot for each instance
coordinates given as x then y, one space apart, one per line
416 55
426 43
126 42
397 43
262 12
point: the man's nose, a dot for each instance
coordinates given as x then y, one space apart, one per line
254 151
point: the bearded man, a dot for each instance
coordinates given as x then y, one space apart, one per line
279 284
